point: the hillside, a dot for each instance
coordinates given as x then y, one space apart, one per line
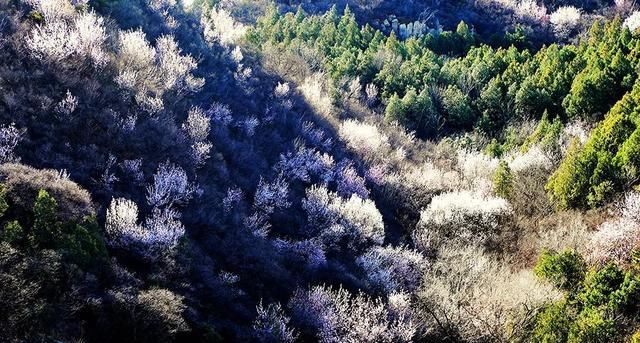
300 171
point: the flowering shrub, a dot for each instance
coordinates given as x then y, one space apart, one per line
334 219
220 113
233 197
219 26
315 136
70 42
10 137
535 157
315 93
393 269
633 21
565 19
305 163
143 68
160 233
170 186
617 238
466 289
338 316
196 128
529 9
465 217
477 170
52 10
176 69
349 182
365 139
272 195
272 325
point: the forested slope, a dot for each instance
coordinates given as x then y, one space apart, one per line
234 171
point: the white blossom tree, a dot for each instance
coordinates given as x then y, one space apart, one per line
633 21
617 238
272 325
271 196
144 69
565 19
196 128
70 42
464 217
159 234
170 186
338 316
10 137
393 269
335 219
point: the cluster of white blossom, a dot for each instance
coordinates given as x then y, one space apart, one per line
393 269
633 21
316 136
480 296
618 238
133 168
170 186
477 170
52 10
233 197
305 163
220 113
363 138
10 137
69 41
335 219
349 182
315 92
535 157
144 69
465 217
338 316
219 26
271 196
565 19
282 90
371 91
67 105
196 128
272 325
159 234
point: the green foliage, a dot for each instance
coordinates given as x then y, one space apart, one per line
589 175
79 241
597 304
552 324
545 135
13 233
36 16
83 244
480 87
592 326
457 106
600 284
503 180
4 206
46 229
564 270
415 111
